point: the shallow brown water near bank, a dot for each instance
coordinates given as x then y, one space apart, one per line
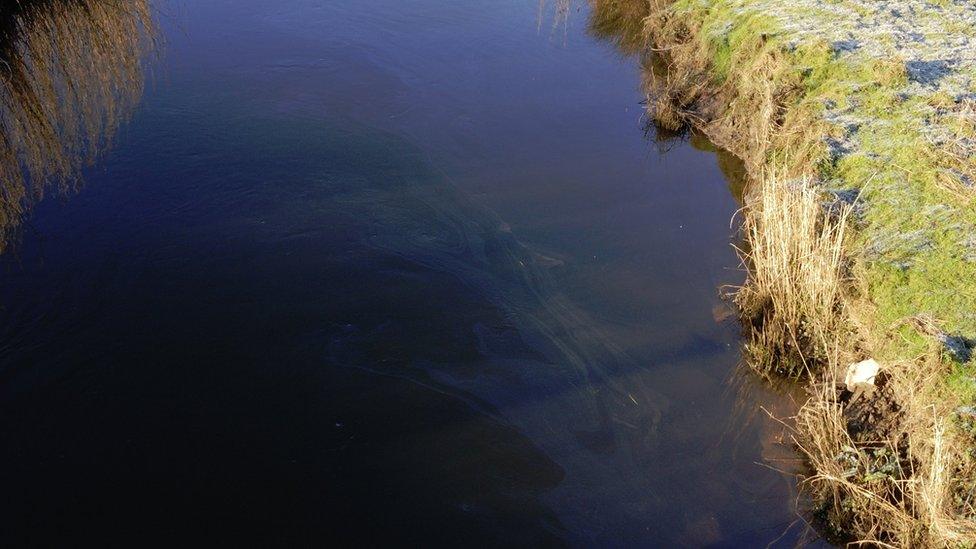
387 272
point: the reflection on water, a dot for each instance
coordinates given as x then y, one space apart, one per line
559 11
621 22
348 280
732 167
70 71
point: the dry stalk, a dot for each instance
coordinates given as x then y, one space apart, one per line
792 295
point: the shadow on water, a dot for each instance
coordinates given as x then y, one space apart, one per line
70 72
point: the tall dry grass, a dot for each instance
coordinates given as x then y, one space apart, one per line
70 73
888 467
792 297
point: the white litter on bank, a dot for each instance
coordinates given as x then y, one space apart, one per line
862 372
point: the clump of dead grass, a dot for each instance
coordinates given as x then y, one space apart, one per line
792 297
675 76
889 467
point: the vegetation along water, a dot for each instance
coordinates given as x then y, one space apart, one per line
854 119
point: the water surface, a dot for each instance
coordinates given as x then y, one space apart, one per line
385 271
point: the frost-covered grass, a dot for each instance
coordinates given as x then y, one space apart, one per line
894 82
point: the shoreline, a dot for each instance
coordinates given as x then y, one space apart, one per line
856 122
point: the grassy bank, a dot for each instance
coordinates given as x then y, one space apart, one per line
857 123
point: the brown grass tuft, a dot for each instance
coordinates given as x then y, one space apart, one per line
792 295
755 110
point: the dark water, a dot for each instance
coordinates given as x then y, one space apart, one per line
384 271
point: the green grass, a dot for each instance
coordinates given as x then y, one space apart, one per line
897 168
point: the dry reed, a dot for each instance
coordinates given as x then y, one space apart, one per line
792 295
890 469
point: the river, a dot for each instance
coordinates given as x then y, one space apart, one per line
386 272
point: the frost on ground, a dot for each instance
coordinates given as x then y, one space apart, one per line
903 113
935 39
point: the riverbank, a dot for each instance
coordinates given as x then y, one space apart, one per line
858 121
